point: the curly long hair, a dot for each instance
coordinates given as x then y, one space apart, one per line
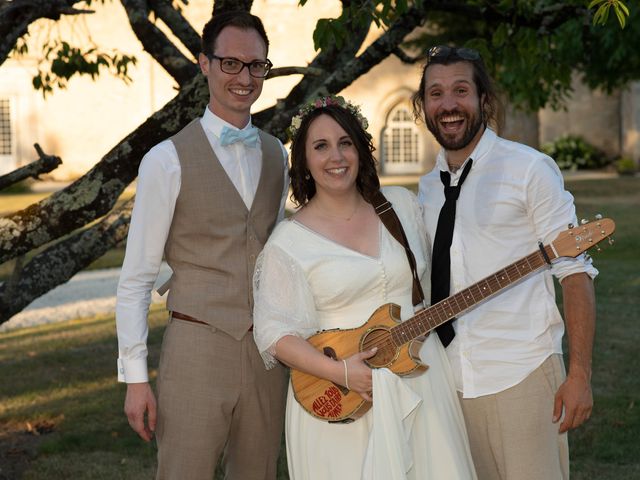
367 182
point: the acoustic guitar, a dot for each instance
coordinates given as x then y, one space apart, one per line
399 342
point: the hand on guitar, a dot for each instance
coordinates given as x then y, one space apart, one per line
358 374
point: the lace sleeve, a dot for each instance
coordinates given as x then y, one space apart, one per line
283 303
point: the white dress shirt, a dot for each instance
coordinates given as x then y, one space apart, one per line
156 193
513 197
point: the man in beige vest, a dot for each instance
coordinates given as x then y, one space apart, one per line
207 198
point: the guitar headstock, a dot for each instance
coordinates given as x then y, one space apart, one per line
579 239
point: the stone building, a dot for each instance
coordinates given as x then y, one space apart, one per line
80 124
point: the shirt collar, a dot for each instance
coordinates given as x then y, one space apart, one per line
479 153
215 124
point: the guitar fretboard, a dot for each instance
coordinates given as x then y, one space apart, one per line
429 318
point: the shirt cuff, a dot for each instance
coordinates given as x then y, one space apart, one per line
133 371
569 266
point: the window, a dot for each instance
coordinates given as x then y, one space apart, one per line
6 141
400 142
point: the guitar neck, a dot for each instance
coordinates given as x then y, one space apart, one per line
434 316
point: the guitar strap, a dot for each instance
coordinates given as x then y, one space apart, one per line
391 221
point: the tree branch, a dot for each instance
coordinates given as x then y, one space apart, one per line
95 193
377 51
284 71
404 58
45 164
545 19
157 44
16 16
276 119
58 263
179 25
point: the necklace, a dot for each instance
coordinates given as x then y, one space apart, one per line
348 218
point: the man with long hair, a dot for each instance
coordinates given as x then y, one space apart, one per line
498 200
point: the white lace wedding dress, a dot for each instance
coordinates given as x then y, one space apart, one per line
304 283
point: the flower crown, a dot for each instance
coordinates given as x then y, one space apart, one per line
321 102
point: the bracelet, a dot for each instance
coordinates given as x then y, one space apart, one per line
346 375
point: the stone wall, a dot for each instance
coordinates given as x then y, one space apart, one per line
593 115
630 109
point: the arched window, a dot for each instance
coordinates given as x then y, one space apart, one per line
401 152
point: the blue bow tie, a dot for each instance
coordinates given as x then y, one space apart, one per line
230 135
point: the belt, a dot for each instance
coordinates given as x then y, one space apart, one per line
188 318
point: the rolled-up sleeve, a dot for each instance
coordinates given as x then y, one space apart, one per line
551 210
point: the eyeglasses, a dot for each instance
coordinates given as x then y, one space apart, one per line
257 68
442 53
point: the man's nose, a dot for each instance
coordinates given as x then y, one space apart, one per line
448 102
244 76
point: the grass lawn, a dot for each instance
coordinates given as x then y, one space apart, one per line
61 408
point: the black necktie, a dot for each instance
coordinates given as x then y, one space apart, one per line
441 261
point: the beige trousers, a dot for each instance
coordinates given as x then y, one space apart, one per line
511 433
215 398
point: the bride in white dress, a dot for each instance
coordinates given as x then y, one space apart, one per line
330 266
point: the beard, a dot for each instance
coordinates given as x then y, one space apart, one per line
449 142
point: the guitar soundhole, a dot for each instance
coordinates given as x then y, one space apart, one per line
387 351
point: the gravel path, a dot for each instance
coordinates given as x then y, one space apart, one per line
86 294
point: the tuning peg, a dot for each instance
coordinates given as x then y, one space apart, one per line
598 248
584 221
598 216
587 256
570 226
611 241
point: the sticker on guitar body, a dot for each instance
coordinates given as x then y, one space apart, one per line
328 405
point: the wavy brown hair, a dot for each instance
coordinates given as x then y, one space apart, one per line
367 182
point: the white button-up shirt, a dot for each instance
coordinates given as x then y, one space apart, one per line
156 194
513 197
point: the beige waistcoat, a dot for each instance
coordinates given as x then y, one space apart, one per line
214 240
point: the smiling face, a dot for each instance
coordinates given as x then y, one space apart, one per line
452 106
332 158
231 95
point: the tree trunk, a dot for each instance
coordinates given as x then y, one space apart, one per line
58 263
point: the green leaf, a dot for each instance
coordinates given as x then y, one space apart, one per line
338 32
320 33
623 7
621 18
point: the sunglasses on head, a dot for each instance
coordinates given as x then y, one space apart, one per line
445 52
